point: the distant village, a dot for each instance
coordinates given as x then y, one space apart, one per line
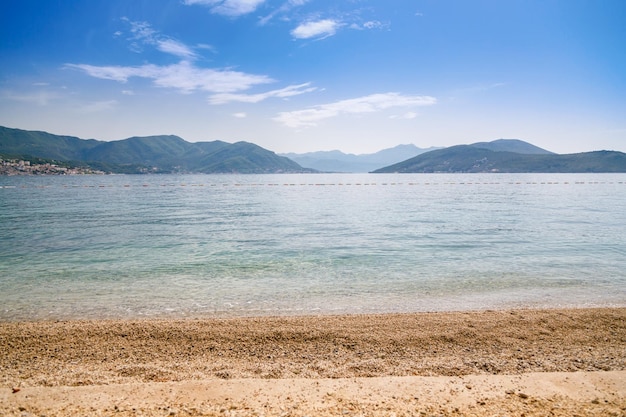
21 167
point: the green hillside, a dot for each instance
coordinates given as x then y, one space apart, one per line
151 150
512 145
158 154
43 144
246 158
469 158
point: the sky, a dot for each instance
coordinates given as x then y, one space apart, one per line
310 75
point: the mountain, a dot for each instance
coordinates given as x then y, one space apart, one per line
43 144
337 161
168 153
246 158
149 150
162 154
481 157
512 145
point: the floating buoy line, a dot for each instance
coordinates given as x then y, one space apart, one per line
336 184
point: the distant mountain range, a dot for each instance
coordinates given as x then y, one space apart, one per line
172 154
508 155
337 161
151 154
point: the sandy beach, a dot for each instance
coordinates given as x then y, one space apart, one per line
520 362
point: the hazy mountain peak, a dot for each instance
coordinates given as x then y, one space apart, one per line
337 161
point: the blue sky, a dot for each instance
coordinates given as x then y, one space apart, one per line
307 75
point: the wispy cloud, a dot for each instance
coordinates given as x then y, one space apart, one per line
206 47
471 90
183 76
373 24
98 106
115 73
367 104
479 88
289 91
141 30
187 76
231 8
240 115
369 25
174 47
324 28
316 29
284 8
142 34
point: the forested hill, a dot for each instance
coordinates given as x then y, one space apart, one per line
158 154
497 157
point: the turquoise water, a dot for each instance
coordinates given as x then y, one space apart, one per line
228 245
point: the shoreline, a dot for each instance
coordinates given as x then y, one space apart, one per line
66 360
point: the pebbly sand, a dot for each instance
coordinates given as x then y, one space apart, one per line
520 362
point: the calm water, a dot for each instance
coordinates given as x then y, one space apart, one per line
137 246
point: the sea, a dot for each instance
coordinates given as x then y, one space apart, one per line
174 246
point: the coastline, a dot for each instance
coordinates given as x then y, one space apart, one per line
505 358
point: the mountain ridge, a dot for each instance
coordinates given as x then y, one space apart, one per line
337 161
475 158
172 154
143 154
512 145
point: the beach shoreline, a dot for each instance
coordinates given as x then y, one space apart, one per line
453 363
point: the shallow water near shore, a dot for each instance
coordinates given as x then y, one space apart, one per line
238 245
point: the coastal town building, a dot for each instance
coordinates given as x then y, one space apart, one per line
22 167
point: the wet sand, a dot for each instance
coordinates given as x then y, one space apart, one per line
530 362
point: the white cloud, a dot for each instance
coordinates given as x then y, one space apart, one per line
284 8
316 29
367 104
173 47
225 85
115 73
183 76
240 115
141 30
372 24
206 47
228 7
289 91
369 25
142 34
